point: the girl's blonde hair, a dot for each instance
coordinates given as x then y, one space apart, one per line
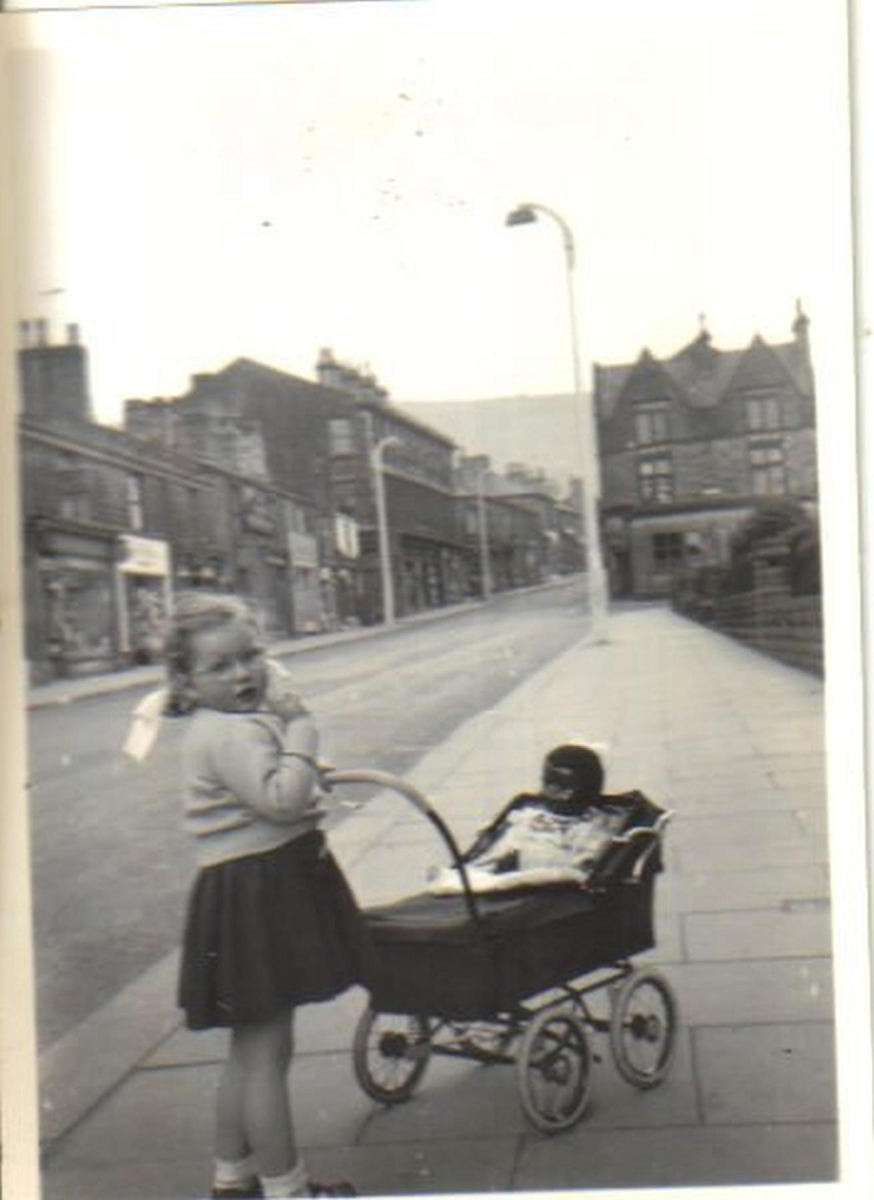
193 613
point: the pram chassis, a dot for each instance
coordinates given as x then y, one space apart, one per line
545 1034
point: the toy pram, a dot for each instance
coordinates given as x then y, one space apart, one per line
508 978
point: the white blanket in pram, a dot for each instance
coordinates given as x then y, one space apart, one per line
535 847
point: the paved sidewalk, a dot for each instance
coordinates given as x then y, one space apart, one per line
734 743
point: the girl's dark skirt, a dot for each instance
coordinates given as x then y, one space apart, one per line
268 932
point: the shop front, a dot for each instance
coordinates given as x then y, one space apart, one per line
71 607
306 600
143 585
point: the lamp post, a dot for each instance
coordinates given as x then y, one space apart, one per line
386 578
483 535
526 214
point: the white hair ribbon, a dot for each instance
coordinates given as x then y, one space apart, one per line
145 725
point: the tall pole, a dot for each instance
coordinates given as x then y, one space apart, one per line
382 532
483 528
525 214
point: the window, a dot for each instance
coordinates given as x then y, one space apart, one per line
134 503
340 434
667 549
767 470
655 479
651 425
763 413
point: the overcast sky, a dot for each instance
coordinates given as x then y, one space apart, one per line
200 184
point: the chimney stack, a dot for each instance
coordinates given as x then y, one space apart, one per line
53 379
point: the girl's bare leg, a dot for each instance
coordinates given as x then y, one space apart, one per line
254 1114
231 1143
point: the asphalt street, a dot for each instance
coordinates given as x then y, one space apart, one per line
111 867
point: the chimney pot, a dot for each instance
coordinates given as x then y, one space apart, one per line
24 332
73 333
42 331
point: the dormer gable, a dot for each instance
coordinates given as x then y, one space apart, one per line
648 382
760 368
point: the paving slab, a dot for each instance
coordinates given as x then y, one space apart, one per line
318 1028
703 830
683 1156
766 1073
717 892
753 992
802 850
763 933
405 1168
455 1100
79 1069
141 1126
166 1179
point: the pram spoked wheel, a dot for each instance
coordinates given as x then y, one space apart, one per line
643 1024
390 1054
553 1069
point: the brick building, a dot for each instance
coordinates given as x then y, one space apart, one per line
689 444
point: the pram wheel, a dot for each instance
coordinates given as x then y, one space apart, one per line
390 1054
553 1069
643 1024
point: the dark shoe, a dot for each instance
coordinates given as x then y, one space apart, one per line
244 1191
332 1189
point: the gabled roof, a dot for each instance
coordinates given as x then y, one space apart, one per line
699 373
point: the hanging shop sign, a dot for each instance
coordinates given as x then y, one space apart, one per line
143 556
303 550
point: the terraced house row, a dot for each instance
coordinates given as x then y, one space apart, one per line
263 483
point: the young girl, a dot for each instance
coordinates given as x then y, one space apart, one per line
271 922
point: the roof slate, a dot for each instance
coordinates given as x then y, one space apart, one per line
700 373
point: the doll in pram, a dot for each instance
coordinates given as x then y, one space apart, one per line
500 960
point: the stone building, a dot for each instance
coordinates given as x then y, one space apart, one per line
432 564
689 444
113 522
271 431
319 438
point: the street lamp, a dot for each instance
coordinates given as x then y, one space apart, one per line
526 214
387 580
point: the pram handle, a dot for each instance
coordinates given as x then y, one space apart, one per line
329 777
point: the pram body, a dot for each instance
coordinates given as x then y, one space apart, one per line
470 975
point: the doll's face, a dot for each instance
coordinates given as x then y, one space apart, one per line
556 788
228 668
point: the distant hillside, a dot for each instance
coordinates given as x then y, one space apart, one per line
539 431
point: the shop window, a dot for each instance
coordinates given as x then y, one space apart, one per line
767 470
667 549
763 413
652 425
655 478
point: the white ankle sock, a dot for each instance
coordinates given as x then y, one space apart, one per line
284 1187
230 1174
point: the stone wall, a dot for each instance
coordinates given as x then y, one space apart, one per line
787 627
